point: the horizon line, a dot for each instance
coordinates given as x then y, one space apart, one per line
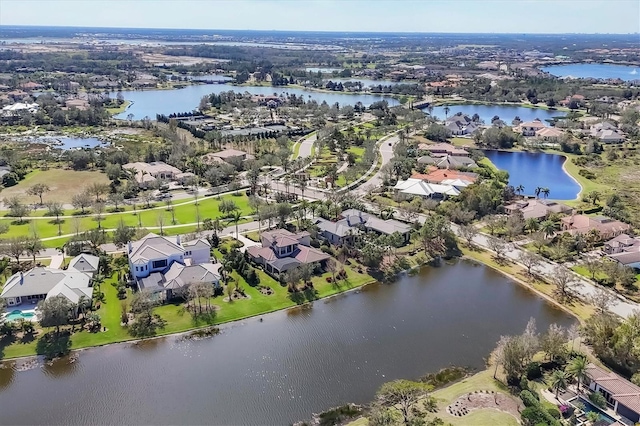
306 31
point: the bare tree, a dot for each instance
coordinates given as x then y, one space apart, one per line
160 221
593 266
171 210
602 300
468 232
495 223
332 266
498 246
98 209
529 260
563 280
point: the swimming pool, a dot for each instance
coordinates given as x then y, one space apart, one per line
588 407
18 314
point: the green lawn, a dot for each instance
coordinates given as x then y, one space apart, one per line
178 320
358 151
184 214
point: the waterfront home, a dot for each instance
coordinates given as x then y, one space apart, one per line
419 187
579 99
28 288
529 128
536 209
161 265
606 227
282 250
441 149
148 173
228 155
624 249
606 132
622 396
549 134
442 175
461 124
448 161
352 221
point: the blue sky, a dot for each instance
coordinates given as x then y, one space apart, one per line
503 16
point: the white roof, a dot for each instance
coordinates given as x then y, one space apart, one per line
420 187
52 282
153 247
458 183
84 263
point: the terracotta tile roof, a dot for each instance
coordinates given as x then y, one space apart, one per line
621 390
438 175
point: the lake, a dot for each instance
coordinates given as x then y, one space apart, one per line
603 71
505 112
292 364
533 169
148 103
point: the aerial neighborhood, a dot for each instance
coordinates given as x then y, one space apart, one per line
188 185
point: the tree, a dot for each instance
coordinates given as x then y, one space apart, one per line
147 198
563 281
97 189
38 190
553 342
160 221
602 300
171 209
33 245
123 234
98 209
81 201
558 380
532 224
115 198
577 368
401 395
54 208
16 208
529 260
593 197
468 232
548 228
14 247
498 246
494 223
55 312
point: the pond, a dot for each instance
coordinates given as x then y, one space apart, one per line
536 169
506 112
71 143
148 103
603 71
290 365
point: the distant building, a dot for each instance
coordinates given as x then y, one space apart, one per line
606 132
442 149
622 396
448 161
605 226
624 249
147 173
536 209
346 228
529 128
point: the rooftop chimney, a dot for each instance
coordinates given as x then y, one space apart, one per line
178 240
130 247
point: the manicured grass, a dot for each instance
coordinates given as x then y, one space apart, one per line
587 185
484 417
488 162
178 320
118 110
208 207
461 141
358 151
64 184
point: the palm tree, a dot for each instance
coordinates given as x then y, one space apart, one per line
548 227
235 218
577 368
446 112
519 189
557 380
545 192
532 224
537 191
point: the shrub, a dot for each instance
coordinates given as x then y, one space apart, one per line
528 399
534 371
223 250
598 399
554 412
587 174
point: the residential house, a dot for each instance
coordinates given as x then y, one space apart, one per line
419 187
32 86
346 228
625 250
606 227
549 134
40 283
282 250
622 396
229 155
441 175
579 99
529 128
161 265
461 124
448 161
536 209
442 149
148 173
606 132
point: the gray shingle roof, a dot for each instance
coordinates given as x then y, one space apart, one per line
85 263
153 247
49 281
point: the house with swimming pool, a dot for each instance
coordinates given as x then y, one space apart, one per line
26 289
622 396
